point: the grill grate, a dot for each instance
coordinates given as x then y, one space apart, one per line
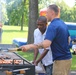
14 67
6 46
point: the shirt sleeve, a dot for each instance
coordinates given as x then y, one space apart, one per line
68 33
48 48
34 37
51 32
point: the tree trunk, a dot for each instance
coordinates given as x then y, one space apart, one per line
22 21
33 15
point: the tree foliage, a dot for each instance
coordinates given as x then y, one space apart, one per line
25 12
67 13
18 12
15 10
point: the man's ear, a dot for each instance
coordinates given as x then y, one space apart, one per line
52 12
46 24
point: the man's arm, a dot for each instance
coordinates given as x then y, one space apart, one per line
44 44
69 40
41 56
35 55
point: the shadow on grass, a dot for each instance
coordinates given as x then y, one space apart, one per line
14 31
27 55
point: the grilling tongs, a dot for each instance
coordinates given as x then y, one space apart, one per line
14 49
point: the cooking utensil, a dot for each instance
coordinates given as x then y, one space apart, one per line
14 49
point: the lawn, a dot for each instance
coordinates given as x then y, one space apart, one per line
73 67
11 32
29 56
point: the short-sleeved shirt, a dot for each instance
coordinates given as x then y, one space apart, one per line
58 34
38 38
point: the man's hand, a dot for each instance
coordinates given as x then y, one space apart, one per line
24 48
35 63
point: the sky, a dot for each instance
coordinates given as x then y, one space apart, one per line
70 2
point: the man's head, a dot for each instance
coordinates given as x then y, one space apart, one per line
42 23
52 12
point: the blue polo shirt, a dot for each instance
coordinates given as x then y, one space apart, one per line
58 34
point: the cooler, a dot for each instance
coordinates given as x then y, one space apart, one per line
19 41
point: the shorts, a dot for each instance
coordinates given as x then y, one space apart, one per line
62 67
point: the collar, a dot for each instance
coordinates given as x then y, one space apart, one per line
55 19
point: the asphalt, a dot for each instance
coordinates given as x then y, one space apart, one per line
73 73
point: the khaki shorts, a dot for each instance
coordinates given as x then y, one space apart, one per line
62 67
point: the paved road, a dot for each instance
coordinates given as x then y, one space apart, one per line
73 73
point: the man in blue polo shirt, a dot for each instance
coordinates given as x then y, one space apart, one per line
57 36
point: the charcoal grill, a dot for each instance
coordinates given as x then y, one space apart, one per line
22 68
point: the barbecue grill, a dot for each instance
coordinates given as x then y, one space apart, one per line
12 63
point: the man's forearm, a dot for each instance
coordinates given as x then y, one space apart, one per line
35 54
44 44
42 55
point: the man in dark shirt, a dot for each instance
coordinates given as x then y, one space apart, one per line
57 37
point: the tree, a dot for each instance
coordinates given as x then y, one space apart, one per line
17 11
3 14
14 11
73 14
33 15
65 11
22 21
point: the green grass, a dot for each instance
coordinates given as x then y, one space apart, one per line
29 56
11 32
73 67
